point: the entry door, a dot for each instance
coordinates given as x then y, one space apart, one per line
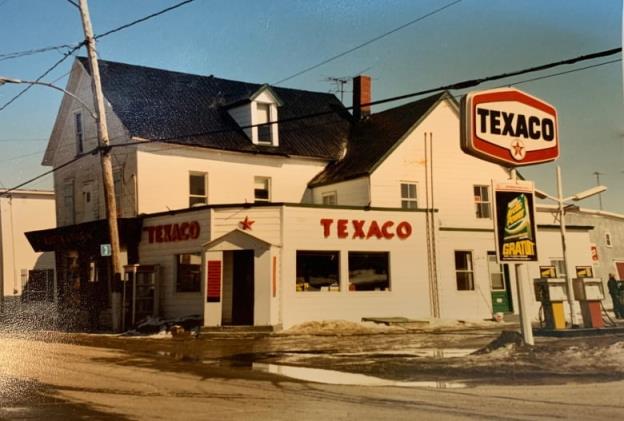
620 270
499 284
243 287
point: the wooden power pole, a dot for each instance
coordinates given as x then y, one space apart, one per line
106 161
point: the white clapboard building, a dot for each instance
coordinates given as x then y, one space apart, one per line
319 214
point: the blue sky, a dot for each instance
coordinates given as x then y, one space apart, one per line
266 41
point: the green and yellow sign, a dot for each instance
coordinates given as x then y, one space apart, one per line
514 222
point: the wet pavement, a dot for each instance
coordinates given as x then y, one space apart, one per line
102 376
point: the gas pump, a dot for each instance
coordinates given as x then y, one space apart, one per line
589 292
552 293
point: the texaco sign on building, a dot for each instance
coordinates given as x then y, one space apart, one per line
509 127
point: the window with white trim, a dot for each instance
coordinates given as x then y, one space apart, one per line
409 195
265 131
197 189
482 202
262 189
608 239
68 202
330 198
318 270
464 274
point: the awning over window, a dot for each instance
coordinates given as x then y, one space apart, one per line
88 234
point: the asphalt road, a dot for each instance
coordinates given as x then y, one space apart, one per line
99 377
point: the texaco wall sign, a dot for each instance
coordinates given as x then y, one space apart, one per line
509 127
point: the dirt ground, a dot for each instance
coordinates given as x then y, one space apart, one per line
96 376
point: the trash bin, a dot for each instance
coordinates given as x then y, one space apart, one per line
552 293
589 293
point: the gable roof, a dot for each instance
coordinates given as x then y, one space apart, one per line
373 139
181 108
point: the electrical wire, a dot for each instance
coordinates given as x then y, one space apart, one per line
364 44
457 85
148 17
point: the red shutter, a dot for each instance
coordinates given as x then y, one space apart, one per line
213 289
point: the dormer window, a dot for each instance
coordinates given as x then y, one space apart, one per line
265 131
257 115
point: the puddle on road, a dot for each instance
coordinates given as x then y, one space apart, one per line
324 376
417 352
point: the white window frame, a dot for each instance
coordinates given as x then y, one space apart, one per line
479 201
329 198
608 239
272 116
470 270
269 187
192 196
406 200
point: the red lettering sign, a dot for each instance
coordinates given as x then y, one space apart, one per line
173 232
361 229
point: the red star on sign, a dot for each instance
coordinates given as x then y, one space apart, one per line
246 223
518 150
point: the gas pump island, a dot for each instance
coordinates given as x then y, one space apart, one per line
511 128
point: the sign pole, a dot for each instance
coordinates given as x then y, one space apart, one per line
521 282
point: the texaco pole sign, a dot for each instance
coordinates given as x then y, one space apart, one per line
509 127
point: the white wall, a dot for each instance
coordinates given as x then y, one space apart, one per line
454 173
87 170
348 193
409 294
173 303
21 212
164 176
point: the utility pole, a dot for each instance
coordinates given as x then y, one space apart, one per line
106 161
598 174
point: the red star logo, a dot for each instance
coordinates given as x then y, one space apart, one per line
246 223
518 150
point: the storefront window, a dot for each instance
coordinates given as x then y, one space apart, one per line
189 272
318 271
369 271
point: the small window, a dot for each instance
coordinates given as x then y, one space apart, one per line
265 131
482 202
79 133
463 271
369 271
262 189
118 183
608 240
68 202
330 198
318 271
409 198
197 189
189 272
497 277
560 267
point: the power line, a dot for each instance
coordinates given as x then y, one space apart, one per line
79 45
370 41
452 86
567 72
148 17
54 66
457 85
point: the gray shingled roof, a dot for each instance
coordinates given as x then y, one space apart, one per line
371 140
190 109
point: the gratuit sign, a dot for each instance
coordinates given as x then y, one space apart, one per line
514 221
509 127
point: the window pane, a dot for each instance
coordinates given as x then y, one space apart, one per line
409 204
189 269
464 281
369 271
330 199
318 271
197 184
262 189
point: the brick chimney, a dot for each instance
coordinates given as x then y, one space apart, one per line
361 95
